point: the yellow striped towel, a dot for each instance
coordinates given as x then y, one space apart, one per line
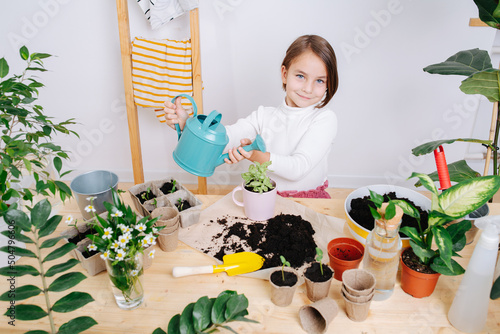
161 69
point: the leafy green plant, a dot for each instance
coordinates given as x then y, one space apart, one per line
454 203
207 315
33 231
495 289
256 177
481 78
25 143
319 257
285 263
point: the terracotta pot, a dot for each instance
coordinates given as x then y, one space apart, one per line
417 284
282 295
344 253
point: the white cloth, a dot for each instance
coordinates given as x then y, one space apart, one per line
299 140
159 12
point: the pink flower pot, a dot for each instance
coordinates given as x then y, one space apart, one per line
257 206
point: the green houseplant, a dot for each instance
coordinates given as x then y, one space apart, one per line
121 238
34 231
481 78
208 315
26 142
256 178
454 203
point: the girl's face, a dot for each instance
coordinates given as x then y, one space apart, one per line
305 80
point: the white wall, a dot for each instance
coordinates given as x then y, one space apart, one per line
386 104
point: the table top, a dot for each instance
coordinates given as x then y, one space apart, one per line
166 296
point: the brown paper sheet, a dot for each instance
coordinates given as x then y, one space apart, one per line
201 235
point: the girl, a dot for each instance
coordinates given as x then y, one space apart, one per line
300 132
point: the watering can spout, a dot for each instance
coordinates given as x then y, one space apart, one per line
258 144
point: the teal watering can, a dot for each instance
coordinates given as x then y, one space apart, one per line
202 142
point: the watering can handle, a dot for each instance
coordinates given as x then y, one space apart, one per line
214 115
195 110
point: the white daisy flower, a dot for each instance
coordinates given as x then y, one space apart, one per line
91 198
120 254
107 233
141 227
145 242
89 208
123 240
92 247
69 219
134 272
121 226
125 229
151 240
115 245
155 230
105 255
117 213
151 254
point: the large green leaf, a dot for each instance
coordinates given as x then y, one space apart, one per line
486 12
50 226
28 312
495 290
426 182
465 62
459 171
219 307
50 242
429 147
58 268
173 324
439 266
61 251
457 234
37 331
423 252
19 218
21 293
66 281
161 331
444 244
72 301
19 270
17 251
467 196
17 235
201 313
186 320
77 325
40 213
235 305
4 68
412 233
484 83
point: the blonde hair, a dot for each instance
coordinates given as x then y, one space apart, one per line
321 48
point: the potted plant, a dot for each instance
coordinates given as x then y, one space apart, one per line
259 192
25 144
454 203
284 282
121 238
35 230
318 278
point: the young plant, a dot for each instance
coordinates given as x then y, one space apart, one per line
33 231
319 257
180 204
174 182
207 315
25 144
145 195
454 203
256 178
285 263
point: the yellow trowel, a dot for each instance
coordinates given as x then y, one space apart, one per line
234 264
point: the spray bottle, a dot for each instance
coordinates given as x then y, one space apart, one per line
469 309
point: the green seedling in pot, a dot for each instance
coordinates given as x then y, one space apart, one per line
174 182
145 195
155 203
180 204
285 263
319 257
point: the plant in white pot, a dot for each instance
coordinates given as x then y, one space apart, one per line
259 192
454 203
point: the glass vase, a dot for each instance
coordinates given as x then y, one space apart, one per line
126 279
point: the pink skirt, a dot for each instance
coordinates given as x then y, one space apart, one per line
319 192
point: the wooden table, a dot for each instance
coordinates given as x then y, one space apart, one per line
166 296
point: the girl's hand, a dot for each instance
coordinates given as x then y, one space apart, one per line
175 113
237 154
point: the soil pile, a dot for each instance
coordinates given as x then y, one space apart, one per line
285 234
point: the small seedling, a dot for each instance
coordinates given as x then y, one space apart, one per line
174 182
180 204
145 195
319 257
155 203
285 263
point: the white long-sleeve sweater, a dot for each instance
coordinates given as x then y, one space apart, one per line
298 139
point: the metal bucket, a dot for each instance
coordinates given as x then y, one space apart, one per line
98 184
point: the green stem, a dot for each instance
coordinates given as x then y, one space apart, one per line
44 283
495 143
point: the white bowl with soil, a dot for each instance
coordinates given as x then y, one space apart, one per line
358 216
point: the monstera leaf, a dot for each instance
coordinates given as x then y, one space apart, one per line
465 62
